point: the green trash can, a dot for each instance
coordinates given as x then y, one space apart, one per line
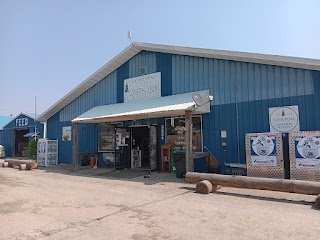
179 158
172 163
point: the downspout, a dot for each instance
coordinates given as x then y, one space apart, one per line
237 121
44 129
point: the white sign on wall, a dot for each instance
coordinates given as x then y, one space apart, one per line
284 119
143 87
66 133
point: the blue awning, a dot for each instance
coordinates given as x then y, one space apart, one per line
31 134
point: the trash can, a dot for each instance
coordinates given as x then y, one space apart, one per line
179 159
92 161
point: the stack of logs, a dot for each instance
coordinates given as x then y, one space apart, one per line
21 164
208 182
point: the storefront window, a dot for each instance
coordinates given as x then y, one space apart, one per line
175 133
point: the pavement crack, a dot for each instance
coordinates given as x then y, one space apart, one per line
125 209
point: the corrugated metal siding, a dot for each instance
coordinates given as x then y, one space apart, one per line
7 141
87 138
164 65
143 59
226 78
122 73
104 92
54 132
131 69
255 87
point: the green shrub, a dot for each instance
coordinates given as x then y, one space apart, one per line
32 149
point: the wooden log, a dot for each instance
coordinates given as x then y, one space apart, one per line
22 166
30 164
215 188
204 187
281 185
5 164
317 202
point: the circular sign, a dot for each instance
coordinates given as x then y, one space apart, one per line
284 119
263 145
309 147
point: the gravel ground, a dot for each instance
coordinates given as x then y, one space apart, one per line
56 203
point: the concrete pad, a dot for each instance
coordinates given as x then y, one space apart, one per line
61 204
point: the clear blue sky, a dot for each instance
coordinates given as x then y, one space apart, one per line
49 47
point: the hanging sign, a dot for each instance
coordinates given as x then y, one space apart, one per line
263 150
307 151
143 87
284 119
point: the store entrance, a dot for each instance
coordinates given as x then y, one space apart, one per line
144 147
20 143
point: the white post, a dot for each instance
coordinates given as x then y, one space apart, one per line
35 117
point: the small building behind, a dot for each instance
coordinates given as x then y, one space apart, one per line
18 132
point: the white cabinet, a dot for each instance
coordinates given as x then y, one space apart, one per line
47 152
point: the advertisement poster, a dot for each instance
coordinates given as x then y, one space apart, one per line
263 150
66 133
307 153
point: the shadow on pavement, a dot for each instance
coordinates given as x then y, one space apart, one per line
136 175
263 198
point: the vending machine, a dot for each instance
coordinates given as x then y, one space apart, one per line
264 155
304 149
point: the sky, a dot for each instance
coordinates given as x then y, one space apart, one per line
48 47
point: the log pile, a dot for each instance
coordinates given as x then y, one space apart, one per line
206 182
20 164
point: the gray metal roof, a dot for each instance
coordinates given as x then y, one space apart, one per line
135 48
153 108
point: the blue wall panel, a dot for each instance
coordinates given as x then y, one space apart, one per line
255 88
122 73
87 141
104 92
143 59
88 137
164 65
7 141
54 132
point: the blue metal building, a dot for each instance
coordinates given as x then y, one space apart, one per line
243 85
16 134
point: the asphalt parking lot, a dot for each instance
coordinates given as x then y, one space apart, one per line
57 203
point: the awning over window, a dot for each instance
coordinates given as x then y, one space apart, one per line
32 134
168 106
